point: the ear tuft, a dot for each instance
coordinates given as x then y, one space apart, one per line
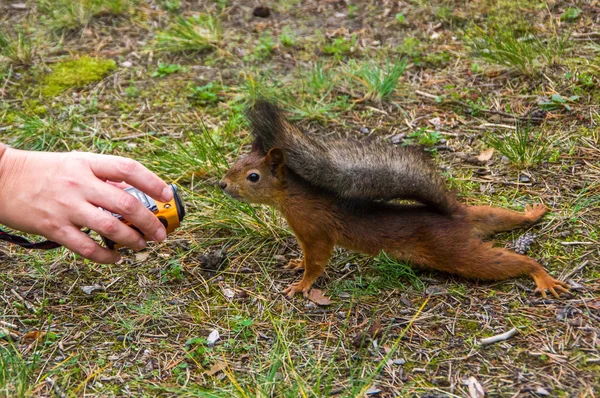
257 146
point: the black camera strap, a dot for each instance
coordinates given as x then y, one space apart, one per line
19 240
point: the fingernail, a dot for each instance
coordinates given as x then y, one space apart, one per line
167 194
141 245
160 234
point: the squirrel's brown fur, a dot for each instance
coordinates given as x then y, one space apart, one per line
356 171
415 233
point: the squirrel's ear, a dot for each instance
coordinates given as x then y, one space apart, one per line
275 158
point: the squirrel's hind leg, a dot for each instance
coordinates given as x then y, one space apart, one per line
489 220
492 263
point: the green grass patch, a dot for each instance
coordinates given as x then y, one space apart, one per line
379 82
528 53
18 46
524 146
190 35
75 14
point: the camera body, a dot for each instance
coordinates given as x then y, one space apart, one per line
169 214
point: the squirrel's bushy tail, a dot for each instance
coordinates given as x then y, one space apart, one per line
353 170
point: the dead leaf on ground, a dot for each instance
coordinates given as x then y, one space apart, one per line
485 155
216 368
141 257
33 335
316 296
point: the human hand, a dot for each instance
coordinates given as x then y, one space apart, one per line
56 194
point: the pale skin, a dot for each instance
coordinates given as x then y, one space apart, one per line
57 194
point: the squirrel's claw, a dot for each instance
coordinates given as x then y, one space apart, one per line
297 287
546 282
295 264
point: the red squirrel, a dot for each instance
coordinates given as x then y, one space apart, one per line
339 194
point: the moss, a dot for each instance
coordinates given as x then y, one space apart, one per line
76 73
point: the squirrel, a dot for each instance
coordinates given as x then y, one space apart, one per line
330 197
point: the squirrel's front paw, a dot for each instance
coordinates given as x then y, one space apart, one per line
546 282
295 264
297 287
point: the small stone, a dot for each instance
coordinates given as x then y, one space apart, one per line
399 361
372 391
261 12
524 178
542 391
91 289
435 291
126 64
398 138
229 293
364 130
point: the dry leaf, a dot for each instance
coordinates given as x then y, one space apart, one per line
475 389
316 296
485 155
33 335
140 257
216 368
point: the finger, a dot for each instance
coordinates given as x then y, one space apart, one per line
120 185
111 227
75 240
120 202
553 292
119 169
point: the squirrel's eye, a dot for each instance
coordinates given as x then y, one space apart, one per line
253 177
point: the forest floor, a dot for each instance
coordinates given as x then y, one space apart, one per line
505 95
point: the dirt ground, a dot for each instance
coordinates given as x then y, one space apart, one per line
127 77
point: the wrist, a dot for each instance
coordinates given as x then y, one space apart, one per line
10 168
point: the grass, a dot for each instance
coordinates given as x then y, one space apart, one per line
15 373
190 35
65 15
18 47
527 54
379 81
523 146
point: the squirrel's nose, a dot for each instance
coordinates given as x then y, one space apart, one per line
223 184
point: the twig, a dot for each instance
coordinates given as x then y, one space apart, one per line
9 325
499 337
55 387
504 126
576 270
